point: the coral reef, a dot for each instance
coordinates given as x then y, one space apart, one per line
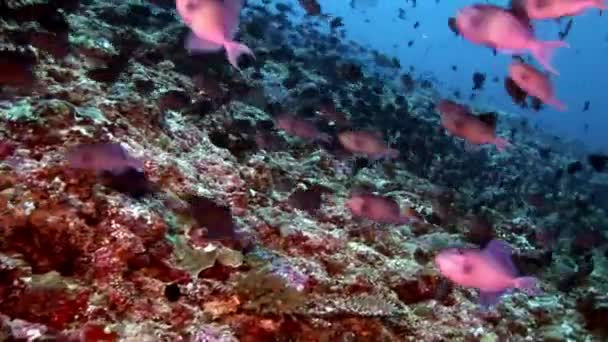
237 232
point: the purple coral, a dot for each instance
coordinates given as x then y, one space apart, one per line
292 276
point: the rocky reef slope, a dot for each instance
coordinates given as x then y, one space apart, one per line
237 232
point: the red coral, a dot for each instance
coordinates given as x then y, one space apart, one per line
6 149
97 333
110 260
181 316
53 307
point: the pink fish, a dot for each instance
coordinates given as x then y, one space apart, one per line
490 270
379 209
111 157
214 24
500 29
301 128
366 143
553 9
458 121
534 83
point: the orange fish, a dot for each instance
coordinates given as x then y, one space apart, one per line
366 143
459 122
534 83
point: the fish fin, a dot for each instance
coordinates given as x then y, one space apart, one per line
324 137
405 219
136 164
601 5
501 143
234 50
391 153
508 51
232 12
529 285
115 149
410 214
489 118
120 170
557 104
489 299
500 253
194 43
471 148
543 52
377 134
234 6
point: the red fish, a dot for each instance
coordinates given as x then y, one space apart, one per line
312 7
214 24
458 121
500 29
534 83
554 9
111 157
301 128
379 209
366 143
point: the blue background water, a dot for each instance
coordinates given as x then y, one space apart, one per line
584 75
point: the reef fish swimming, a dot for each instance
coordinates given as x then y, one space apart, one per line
366 143
378 209
500 29
110 157
214 24
554 9
534 83
490 270
458 121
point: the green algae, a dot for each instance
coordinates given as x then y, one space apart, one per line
21 111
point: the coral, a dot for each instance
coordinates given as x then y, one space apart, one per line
265 291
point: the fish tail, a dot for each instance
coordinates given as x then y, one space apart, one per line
234 50
543 52
599 4
501 143
392 153
324 137
557 104
404 219
529 285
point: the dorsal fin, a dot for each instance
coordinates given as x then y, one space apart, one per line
489 118
500 253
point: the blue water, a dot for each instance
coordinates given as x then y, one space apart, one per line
583 72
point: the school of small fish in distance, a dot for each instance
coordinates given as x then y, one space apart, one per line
213 25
